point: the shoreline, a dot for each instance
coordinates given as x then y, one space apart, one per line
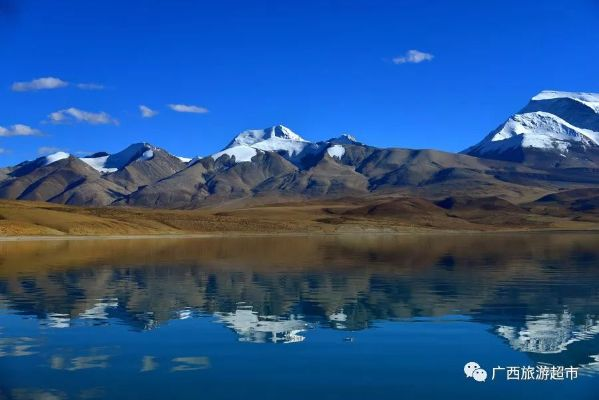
22 221
431 232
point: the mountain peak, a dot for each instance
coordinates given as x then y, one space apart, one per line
589 99
106 163
133 152
277 138
554 127
254 136
281 131
344 138
59 155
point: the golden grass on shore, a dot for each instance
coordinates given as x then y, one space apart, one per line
26 219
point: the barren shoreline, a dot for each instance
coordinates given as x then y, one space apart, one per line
28 221
430 232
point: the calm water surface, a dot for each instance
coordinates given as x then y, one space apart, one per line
350 317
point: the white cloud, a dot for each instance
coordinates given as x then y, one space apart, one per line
19 130
75 115
39 84
3 150
50 82
188 108
45 150
147 112
413 57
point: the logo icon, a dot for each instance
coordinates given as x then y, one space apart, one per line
474 371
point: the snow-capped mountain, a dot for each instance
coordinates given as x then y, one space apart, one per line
344 139
278 138
534 148
275 133
57 156
554 129
101 161
100 178
107 163
283 141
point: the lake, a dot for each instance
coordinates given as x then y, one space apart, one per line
296 317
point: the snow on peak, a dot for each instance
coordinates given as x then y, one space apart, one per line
253 136
98 163
278 139
345 138
547 123
336 150
132 153
589 99
147 155
107 163
59 155
540 130
241 153
348 137
283 132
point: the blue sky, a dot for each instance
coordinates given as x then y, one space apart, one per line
320 67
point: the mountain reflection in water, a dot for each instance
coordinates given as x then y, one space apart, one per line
538 293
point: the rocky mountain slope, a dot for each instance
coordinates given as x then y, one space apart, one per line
551 145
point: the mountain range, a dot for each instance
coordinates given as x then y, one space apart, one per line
551 145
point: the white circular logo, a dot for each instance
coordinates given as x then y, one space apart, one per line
474 371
